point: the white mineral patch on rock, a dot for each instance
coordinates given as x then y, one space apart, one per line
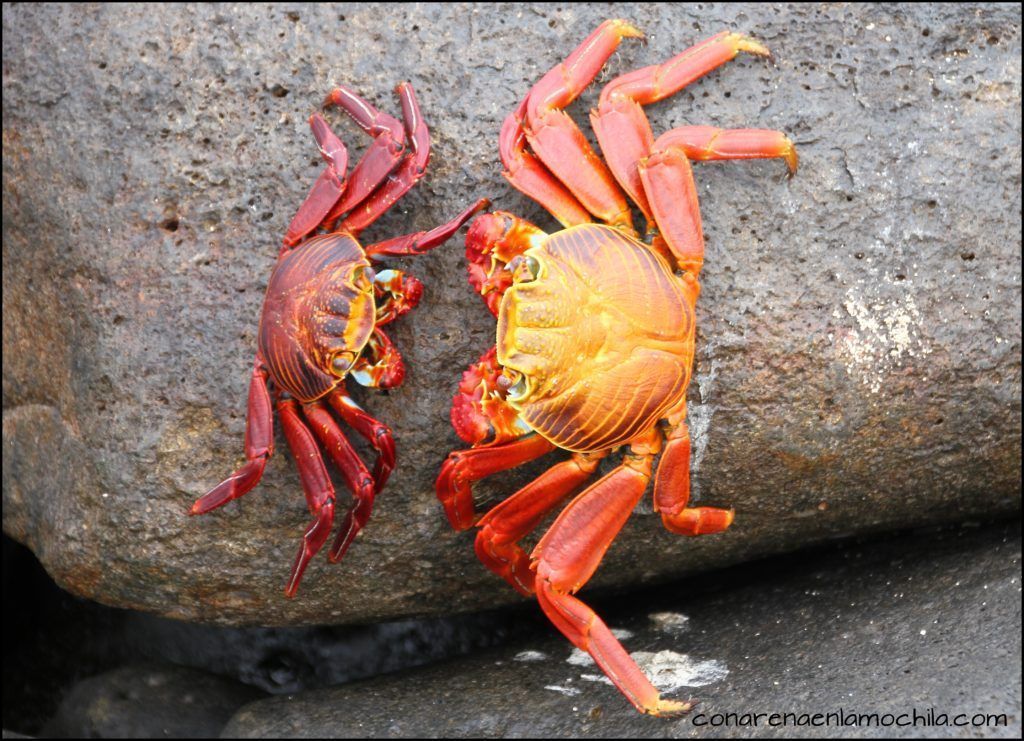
669 670
580 658
568 691
530 656
670 622
886 335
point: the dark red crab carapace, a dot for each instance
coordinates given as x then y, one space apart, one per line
322 323
595 333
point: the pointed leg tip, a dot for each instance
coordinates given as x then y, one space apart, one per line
792 160
752 46
672 708
626 30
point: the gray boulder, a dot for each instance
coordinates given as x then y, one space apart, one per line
149 701
858 358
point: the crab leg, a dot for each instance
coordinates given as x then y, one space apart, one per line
702 143
672 194
327 189
377 433
382 156
493 240
352 468
672 486
412 167
622 128
315 483
259 446
528 175
558 141
567 556
422 242
463 467
501 529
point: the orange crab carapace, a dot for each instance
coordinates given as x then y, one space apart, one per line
595 335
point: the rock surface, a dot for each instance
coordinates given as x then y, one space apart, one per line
149 701
926 622
858 361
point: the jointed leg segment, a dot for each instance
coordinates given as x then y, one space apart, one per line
376 433
672 486
381 157
463 467
567 556
501 529
259 446
557 140
315 483
352 468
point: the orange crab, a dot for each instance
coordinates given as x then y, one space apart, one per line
595 333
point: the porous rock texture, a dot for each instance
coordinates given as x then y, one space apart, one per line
858 357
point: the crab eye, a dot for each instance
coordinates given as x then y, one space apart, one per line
524 268
342 363
363 278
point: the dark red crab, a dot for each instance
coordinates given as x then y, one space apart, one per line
322 322
595 333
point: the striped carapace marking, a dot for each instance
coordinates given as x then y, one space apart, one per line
604 337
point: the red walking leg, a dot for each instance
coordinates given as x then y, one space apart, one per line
672 194
259 446
558 141
382 156
667 179
501 529
407 174
529 176
328 188
703 143
622 128
352 468
672 487
315 483
376 433
567 556
421 242
463 467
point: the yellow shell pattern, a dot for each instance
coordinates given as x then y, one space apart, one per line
603 337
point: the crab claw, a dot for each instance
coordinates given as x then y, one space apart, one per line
493 241
480 413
